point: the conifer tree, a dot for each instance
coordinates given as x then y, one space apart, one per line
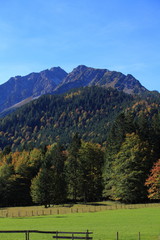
49 186
73 168
91 163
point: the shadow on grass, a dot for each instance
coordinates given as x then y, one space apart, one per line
38 217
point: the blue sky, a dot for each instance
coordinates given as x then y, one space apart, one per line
121 35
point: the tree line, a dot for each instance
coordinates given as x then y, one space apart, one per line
84 171
52 175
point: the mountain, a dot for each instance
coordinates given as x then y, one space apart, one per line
18 88
85 76
81 76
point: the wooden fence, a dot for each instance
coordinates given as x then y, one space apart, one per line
48 235
24 212
54 234
135 236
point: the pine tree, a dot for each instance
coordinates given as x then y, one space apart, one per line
49 186
73 168
91 163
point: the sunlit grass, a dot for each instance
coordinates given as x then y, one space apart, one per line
128 222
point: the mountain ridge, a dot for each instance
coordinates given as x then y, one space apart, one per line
86 76
18 89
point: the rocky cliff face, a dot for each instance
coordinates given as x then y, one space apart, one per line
18 88
84 76
80 77
119 81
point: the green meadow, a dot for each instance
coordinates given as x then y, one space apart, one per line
104 225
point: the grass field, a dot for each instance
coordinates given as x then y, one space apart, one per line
128 222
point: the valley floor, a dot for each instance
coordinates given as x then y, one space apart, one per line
104 225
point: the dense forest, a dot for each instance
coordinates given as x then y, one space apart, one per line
84 171
115 154
52 175
89 111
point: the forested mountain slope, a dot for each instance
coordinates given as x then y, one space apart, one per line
89 111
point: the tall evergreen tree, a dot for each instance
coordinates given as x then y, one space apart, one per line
6 172
91 163
73 168
49 186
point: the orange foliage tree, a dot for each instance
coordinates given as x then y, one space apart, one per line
153 182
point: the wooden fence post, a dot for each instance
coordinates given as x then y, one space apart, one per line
57 235
139 236
87 234
117 236
27 235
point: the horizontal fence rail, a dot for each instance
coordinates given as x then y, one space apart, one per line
24 212
55 234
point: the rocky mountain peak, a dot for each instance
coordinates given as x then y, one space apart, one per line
82 76
18 88
80 68
56 80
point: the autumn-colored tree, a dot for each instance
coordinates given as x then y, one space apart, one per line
153 182
20 162
26 165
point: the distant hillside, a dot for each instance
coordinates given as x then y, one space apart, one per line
18 90
89 111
